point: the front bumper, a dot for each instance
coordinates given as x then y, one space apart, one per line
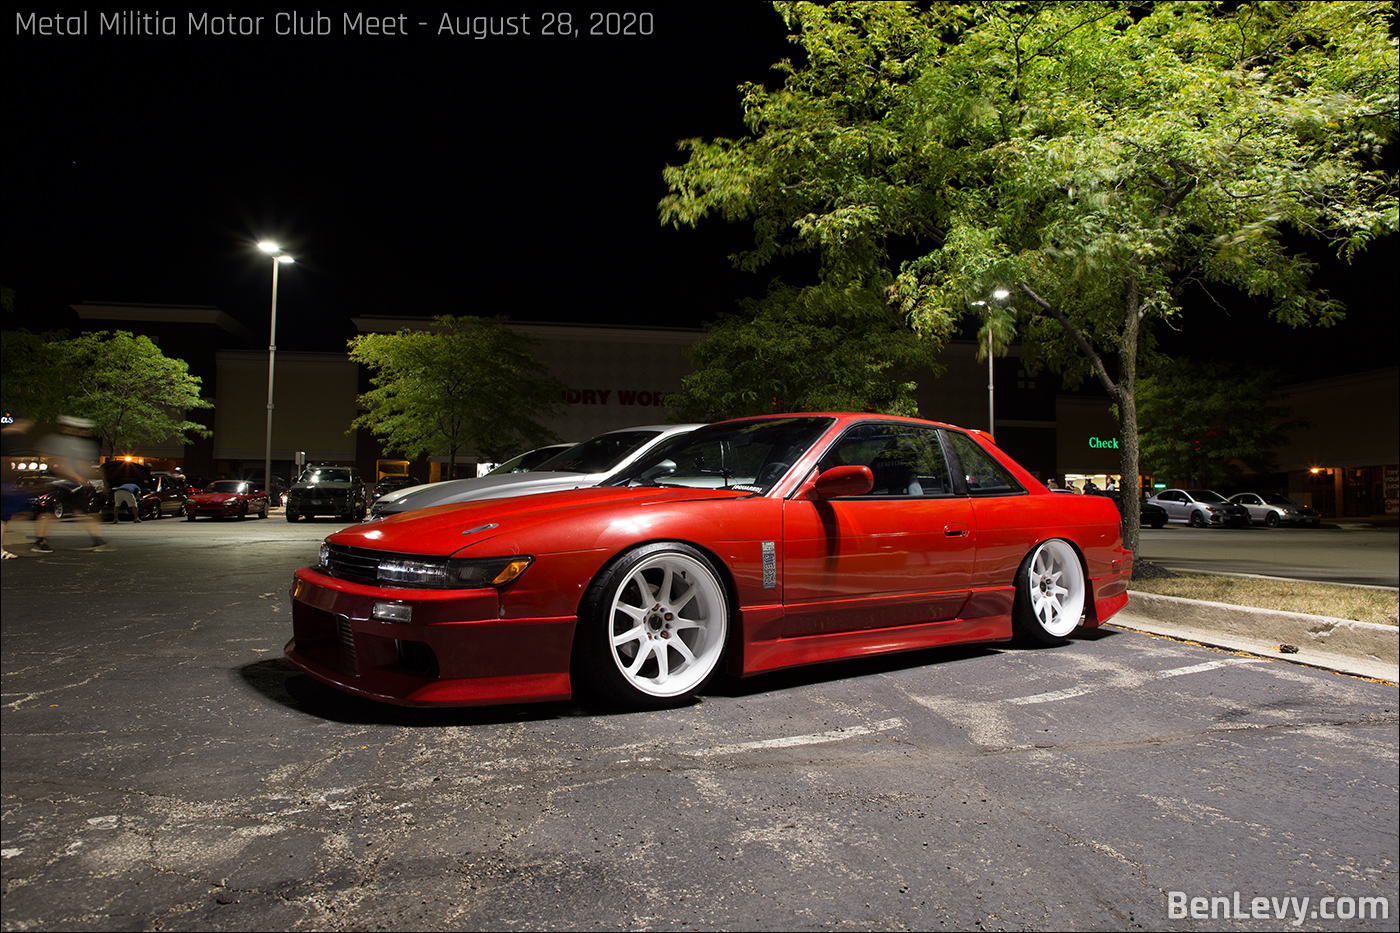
327 504
456 650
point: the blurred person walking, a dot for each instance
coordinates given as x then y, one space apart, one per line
72 454
13 500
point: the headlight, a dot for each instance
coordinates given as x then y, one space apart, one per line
452 573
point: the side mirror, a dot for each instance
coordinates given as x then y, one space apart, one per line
664 468
843 481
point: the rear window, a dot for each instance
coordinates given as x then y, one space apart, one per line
984 474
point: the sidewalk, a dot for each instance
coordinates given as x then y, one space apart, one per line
1365 649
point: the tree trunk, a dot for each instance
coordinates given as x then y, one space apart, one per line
1123 392
1129 491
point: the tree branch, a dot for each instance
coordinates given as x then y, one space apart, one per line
1079 340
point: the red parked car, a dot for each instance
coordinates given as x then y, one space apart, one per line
745 546
227 498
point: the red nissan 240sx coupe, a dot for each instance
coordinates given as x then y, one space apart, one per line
748 545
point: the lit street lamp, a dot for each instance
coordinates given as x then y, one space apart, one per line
1000 295
279 257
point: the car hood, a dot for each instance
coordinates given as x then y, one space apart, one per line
214 496
447 529
324 484
483 487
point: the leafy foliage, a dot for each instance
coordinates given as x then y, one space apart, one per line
133 392
821 348
1100 160
1203 424
31 379
472 384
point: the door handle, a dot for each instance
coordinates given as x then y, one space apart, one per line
955 530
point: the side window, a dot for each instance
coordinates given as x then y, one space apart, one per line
905 459
984 474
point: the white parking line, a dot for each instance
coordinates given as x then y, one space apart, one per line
1082 689
791 741
1207 666
1064 694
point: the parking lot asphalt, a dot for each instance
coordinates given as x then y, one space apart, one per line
1354 553
165 768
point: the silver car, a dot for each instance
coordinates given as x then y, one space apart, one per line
1269 508
1200 507
587 464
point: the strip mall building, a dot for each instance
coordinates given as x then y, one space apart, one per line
1344 464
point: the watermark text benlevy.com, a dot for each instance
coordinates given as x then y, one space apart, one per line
1236 906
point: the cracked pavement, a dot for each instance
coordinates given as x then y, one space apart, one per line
165 768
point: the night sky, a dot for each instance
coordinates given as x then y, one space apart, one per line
429 174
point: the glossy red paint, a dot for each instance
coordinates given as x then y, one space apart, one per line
812 572
228 499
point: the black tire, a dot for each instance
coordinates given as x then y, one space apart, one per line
292 516
1051 594
1198 520
653 627
263 512
1272 520
189 516
1159 523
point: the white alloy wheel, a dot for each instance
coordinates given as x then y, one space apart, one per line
1050 592
667 622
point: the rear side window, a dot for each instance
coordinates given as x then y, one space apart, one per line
984 474
905 459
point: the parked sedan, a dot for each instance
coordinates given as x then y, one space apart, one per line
1272 509
1149 515
392 484
228 498
746 546
61 496
162 494
594 461
1200 508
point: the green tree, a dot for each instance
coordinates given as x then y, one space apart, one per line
31 378
1097 159
471 384
820 348
133 393
1204 424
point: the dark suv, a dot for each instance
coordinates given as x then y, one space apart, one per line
328 490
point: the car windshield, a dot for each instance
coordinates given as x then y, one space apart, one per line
1205 495
527 461
750 456
229 485
597 454
1273 498
325 475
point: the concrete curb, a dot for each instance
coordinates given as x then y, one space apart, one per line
1366 649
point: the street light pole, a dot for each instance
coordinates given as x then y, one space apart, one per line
1000 295
279 257
991 387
